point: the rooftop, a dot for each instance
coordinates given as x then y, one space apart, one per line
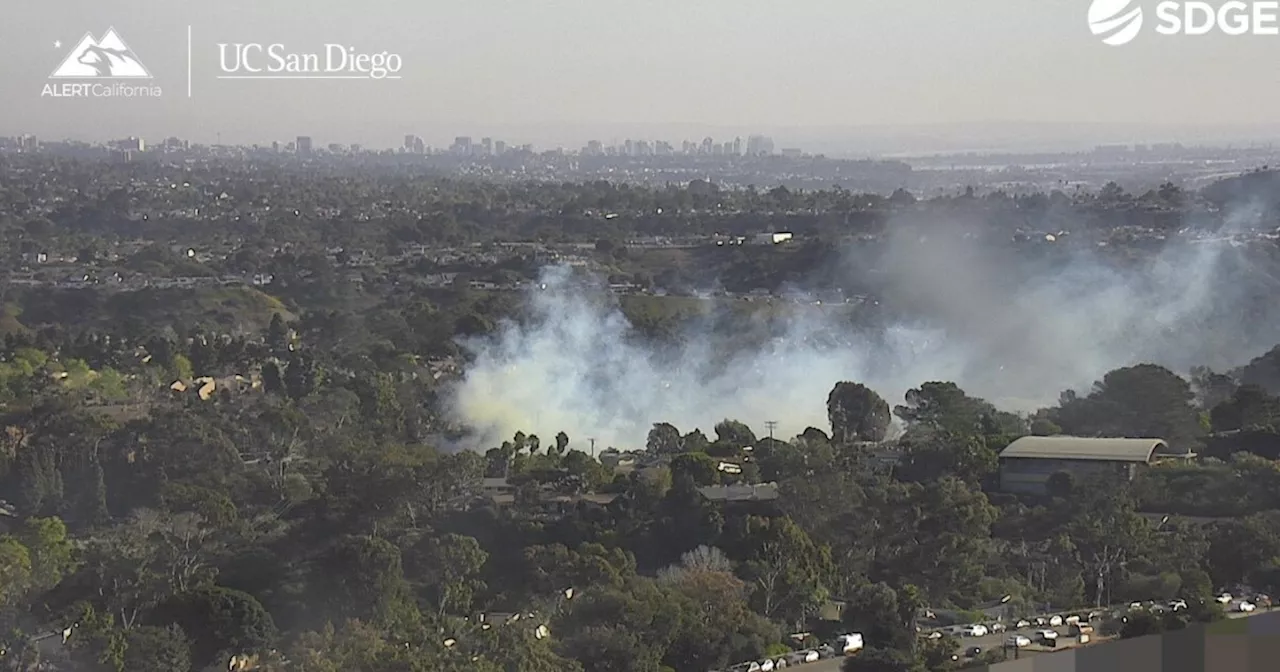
740 493
1082 448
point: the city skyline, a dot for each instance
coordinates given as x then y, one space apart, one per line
485 146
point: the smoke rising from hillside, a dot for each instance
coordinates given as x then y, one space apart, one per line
1015 333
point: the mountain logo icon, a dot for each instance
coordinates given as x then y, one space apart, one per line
1115 21
107 58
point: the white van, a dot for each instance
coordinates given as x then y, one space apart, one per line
850 643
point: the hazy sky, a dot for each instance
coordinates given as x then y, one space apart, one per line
559 71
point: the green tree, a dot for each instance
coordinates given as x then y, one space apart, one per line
789 573
277 337
223 622
272 378
15 570
1044 427
876 611
1248 406
156 649
944 406
51 552
449 567
930 456
734 434
857 413
1144 401
181 369
695 442
664 438
362 577
698 467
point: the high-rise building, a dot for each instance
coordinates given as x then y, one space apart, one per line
275 146
758 145
303 144
737 146
486 146
410 141
499 148
131 144
28 143
462 145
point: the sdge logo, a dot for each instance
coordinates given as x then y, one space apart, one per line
1118 22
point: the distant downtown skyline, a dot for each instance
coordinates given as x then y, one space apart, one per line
867 142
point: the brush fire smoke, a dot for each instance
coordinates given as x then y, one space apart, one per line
1015 333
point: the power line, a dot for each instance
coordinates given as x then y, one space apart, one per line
770 424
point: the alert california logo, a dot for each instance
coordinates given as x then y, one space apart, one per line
104 67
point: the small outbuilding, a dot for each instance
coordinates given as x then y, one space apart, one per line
1027 463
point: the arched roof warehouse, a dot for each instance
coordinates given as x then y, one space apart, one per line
1083 448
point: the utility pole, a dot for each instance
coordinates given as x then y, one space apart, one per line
770 424
593 446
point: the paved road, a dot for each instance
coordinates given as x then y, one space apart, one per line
992 642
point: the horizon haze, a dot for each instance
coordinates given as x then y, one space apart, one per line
823 76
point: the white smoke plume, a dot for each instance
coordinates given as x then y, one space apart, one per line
1016 333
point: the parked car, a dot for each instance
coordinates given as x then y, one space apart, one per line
974 630
1024 623
1246 606
1018 641
1224 598
766 665
1047 635
750 666
1055 621
996 627
1178 605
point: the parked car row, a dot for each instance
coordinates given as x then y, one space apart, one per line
1243 604
1051 621
842 646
